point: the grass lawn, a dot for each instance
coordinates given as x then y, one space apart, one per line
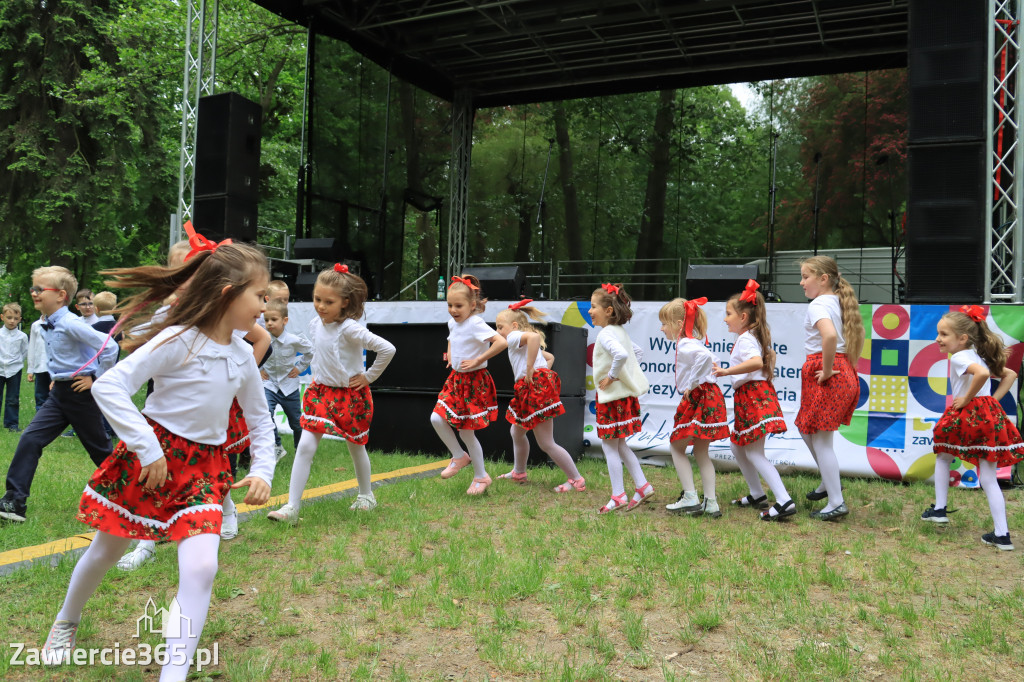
524 584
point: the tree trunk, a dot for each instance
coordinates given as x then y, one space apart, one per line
652 222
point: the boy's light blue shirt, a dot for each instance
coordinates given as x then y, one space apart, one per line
70 343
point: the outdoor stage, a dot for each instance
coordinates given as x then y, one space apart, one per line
903 380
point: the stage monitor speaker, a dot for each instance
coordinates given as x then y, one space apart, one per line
718 282
501 282
284 270
228 147
327 249
947 70
946 223
222 216
304 283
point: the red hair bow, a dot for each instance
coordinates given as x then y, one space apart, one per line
691 314
462 280
198 242
611 289
343 269
975 312
750 292
519 304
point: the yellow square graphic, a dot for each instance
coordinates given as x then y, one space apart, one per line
888 394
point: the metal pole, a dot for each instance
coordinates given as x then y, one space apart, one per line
817 209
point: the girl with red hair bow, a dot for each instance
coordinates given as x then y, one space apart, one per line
974 427
535 401
467 401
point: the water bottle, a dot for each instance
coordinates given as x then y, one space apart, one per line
440 289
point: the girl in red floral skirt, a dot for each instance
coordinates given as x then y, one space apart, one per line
755 405
701 417
467 401
338 401
168 476
829 387
535 402
974 427
620 381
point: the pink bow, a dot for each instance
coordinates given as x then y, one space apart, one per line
975 312
750 292
198 242
462 280
611 289
519 304
343 269
691 314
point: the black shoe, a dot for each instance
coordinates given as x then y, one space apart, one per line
935 515
1000 541
814 495
751 502
841 510
781 511
12 510
70 433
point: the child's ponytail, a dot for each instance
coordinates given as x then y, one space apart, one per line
752 305
521 313
970 320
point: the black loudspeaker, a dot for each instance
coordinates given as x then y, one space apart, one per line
946 223
325 249
228 146
718 282
286 271
947 70
304 283
501 282
222 216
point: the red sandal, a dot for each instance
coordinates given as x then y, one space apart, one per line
617 502
634 503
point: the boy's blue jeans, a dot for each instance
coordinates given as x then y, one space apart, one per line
292 406
12 385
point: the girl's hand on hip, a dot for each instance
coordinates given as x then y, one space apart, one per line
823 377
358 381
605 383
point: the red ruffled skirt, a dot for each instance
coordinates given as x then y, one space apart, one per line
187 504
701 415
238 430
468 401
338 411
619 418
979 431
537 401
823 407
757 411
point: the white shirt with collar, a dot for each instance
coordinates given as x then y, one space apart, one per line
338 352
469 339
37 349
194 382
746 348
13 349
694 363
290 351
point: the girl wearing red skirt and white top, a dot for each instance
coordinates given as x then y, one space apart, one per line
974 427
755 404
467 401
168 476
535 402
338 401
620 381
701 416
829 388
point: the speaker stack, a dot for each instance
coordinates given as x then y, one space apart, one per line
227 167
946 162
718 282
405 394
501 282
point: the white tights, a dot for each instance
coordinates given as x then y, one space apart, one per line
752 462
989 483
617 453
685 471
197 567
473 448
820 445
545 435
303 463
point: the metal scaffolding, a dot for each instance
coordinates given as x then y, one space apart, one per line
458 180
1003 270
200 68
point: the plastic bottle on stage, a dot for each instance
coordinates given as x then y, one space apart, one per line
440 289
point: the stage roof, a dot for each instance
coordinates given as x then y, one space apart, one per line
516 51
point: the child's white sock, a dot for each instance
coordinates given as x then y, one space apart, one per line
748 470
942 462
545 435
301 466
361 463
610 447
475 452
996 501
520 449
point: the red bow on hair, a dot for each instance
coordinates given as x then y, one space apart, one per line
343 269
519 304
198 242
611 289
462 280
691 314
975 312
750 292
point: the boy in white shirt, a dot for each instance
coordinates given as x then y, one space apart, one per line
38 369
281 371
13 349
86 307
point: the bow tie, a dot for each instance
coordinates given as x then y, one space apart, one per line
47 325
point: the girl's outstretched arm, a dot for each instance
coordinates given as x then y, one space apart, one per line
498 344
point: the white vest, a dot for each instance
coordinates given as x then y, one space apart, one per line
631 379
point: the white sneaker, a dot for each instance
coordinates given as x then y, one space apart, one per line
60 643
140 556
686 499
280 453
287 514
229 526
364 503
